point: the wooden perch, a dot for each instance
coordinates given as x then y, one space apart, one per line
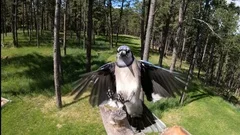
115 120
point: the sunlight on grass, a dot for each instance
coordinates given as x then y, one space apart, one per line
205 116
27 80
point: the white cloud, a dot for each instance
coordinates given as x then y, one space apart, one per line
237 2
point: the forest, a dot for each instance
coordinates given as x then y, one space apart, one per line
47 44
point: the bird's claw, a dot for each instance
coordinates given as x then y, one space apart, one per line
121 99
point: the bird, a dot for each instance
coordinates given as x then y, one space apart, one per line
126 80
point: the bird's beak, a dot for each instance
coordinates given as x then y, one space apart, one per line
123 53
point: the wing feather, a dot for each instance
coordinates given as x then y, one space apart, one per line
101 80
159 81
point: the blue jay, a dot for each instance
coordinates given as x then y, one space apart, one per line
125 80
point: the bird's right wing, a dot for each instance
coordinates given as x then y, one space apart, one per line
160 81
102 80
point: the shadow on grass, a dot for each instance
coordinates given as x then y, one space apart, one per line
44 39
38 72
195 92
39 69
75 101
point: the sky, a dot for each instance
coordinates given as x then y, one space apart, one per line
237 2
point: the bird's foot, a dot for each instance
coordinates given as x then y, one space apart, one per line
120 98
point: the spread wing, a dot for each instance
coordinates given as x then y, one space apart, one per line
102 80
159 81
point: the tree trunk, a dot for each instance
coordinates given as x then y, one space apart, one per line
147 15
142 28
36 21
80 23
84 24
210 65
27 20
2 29
5 19
46 21
168 43
110 24
23 16
64 28
153 38
194 58
149 30
42 16
119 21
89 35
93 35
202 57
220 66
212 68
165 33
76 25
190 73
37 28
176 44
14 22
31 20
56 55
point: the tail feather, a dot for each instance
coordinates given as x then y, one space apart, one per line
148 122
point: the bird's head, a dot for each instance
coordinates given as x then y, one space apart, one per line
124 56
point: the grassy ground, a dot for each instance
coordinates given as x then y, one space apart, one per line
27 80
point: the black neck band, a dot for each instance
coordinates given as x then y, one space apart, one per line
127 64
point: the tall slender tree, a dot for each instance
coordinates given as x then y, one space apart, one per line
36 19
84 24
119 21
149 30
176 44
56 55
89 34
110 24
142 28
23 15
165 32
14 22
65 27
183 47
193 56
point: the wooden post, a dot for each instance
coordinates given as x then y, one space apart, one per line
115 120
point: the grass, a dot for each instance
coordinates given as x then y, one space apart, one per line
27 80
202 114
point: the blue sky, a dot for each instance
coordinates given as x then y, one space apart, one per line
237 2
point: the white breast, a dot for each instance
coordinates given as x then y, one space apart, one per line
128 80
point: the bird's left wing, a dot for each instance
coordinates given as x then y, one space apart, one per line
160 81
102 80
